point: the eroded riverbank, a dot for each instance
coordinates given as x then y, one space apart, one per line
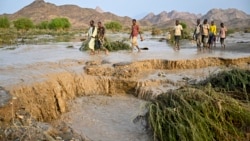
46 99
49 86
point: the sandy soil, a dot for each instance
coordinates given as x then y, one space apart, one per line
100 96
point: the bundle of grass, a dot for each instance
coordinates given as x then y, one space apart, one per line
110 45
116 45
235 83
192 114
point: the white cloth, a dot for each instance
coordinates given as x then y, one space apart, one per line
178 29
91 36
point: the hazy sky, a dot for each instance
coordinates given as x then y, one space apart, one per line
137 8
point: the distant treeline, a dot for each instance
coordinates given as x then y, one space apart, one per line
26 24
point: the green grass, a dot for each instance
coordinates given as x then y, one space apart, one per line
11 36
235 83
202 112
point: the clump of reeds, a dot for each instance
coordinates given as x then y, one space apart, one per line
235 83
198 115
201 113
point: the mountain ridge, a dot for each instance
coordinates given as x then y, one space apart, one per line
39 11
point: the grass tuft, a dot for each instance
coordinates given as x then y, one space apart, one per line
202 113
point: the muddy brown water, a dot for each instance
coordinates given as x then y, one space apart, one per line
100 96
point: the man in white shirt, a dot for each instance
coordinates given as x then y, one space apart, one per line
177 34
92 32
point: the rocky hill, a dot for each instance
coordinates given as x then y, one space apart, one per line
98 9
231 17
225 15
79 17
165 17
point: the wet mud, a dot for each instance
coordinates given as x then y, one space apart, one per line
100 96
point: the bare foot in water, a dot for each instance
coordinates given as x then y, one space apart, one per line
92 52
107 52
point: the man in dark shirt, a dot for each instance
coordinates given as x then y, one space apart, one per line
100 38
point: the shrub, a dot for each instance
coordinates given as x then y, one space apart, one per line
23 24
156 31
43 25
113 26
59 24
4 22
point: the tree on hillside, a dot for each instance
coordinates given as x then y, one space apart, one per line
113 25
59 24
4 22
23 24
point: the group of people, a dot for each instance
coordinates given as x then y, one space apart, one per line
96 37
204 34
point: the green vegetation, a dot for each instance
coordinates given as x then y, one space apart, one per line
113 26
59 24
247 30
110 45
230 31
4 22
235 83
43 25
186 31
116 45
23 24
7 36
156 31
57 27
184 25
204 112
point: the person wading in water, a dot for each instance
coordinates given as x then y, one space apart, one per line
100 38
92 32
177 34
135 30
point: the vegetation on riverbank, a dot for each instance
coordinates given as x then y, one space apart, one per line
216 109
110 45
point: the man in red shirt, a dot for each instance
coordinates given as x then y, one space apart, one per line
135 30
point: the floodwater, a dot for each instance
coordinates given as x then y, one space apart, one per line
103 118
54 52
20 62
